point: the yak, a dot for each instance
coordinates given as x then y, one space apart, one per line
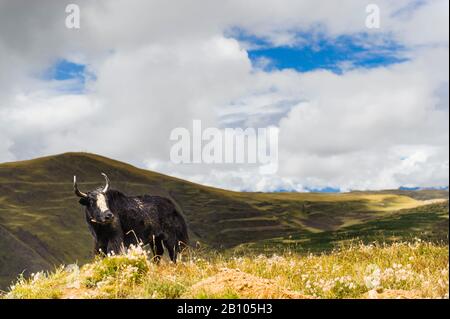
117 221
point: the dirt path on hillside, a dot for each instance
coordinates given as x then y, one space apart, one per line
244 285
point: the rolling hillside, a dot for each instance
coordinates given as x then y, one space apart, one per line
41 223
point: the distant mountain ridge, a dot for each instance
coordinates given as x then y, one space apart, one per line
441 188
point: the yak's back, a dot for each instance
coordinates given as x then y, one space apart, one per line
149 202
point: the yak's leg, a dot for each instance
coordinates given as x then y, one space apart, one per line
159 250
171 248
116 245
153 245
153 248
100 248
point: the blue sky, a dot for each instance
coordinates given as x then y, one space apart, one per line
65 70
74 73
315 52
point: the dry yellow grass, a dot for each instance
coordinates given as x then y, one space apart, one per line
401 270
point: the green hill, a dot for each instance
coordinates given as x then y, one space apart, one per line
41 223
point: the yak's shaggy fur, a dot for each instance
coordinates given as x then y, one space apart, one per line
152 220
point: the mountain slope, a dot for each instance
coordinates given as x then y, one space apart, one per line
42 224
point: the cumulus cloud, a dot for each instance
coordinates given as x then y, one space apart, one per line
158 65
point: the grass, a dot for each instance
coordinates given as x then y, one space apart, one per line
428 223
410 270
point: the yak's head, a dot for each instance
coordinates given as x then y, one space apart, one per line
96 203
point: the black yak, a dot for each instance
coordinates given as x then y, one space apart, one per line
116 221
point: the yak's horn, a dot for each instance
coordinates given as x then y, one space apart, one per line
107 183
75 188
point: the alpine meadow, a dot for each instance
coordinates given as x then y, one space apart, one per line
206 158
247 245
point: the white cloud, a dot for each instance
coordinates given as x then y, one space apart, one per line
159 65
5 144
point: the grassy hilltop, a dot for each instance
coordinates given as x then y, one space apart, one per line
42 225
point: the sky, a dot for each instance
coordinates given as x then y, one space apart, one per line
356 108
